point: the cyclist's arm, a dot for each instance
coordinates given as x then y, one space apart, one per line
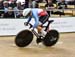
36 18
29 19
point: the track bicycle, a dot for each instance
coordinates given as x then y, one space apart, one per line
25 37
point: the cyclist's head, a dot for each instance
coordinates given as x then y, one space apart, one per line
26 12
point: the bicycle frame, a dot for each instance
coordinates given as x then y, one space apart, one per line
46 28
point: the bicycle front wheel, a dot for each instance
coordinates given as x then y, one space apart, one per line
24 38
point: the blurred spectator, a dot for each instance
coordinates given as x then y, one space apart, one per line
17 9
72 2
1 8
40 1
1 4
22 1
46 1
9 14
53 1
30 3
62 4
49 5
34 4
58 0
5 5
12 3
26 4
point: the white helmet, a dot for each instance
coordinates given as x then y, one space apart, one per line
26 11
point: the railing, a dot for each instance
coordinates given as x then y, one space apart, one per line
70 12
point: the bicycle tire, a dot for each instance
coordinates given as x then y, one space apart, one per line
51 38
24 38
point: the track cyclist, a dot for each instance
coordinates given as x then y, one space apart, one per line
40 16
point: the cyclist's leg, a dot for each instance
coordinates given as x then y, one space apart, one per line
39 28
42 20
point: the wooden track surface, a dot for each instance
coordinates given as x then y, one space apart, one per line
64 48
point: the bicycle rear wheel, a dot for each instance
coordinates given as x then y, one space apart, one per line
24 38
51 38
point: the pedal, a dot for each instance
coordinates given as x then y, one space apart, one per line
38 40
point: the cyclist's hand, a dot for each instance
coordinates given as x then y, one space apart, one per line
31 26
26 23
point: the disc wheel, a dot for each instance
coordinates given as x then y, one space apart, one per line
24 38
51 38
